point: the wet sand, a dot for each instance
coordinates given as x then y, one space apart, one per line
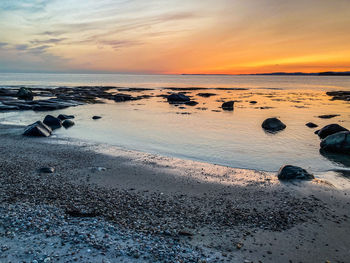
106 204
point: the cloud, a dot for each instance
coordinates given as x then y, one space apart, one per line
48 41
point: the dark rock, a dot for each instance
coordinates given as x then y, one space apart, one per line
206 94
8 107
311 125
191 103
253 102
68 123
63 117
317 131
122 97
339 95
273 125
185 233
52 122
96 117
329 130
25 94
38 129
228 105
329 116
47 170
290 172
338 142
178 98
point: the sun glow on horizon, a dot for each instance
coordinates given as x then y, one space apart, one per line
225 37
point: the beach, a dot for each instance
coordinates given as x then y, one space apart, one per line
108 204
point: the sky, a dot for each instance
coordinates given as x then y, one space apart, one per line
174 37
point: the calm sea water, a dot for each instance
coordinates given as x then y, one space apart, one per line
203 132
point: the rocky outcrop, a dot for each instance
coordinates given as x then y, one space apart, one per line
330 129
38 129
338 142
290 172
273 125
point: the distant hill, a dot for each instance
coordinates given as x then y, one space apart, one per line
327 73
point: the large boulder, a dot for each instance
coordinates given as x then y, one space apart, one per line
228 105
329 130
67 123
273 125
38 129
178 98
25 94
338 142
290 172
52 122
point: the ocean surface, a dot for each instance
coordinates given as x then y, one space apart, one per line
204 132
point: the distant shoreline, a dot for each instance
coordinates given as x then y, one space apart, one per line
328 73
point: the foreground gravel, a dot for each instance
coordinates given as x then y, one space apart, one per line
63 217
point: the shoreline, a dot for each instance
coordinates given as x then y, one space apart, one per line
213 213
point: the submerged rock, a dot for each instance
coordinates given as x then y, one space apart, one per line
191 103
328 116
52 122
290 172
228 105
206 94
38 129
25 94
330 129
96 117
63 117
311 125
178 98
273 125
338 142
68 123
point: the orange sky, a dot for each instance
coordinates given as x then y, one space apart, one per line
193 36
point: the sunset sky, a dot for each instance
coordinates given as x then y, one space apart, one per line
178 36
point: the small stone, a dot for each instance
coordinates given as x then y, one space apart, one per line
47 170
96 117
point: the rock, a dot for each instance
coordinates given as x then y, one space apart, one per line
329 116
311 125
273 125
52 122
47 170
290 172
68 123
65 117
38 129
339 95
178 98
338 142
228 105
206 94
191 103
329 130
253 102
96 117
25 94
122 97
8 107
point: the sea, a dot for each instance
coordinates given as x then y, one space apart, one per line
204 132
